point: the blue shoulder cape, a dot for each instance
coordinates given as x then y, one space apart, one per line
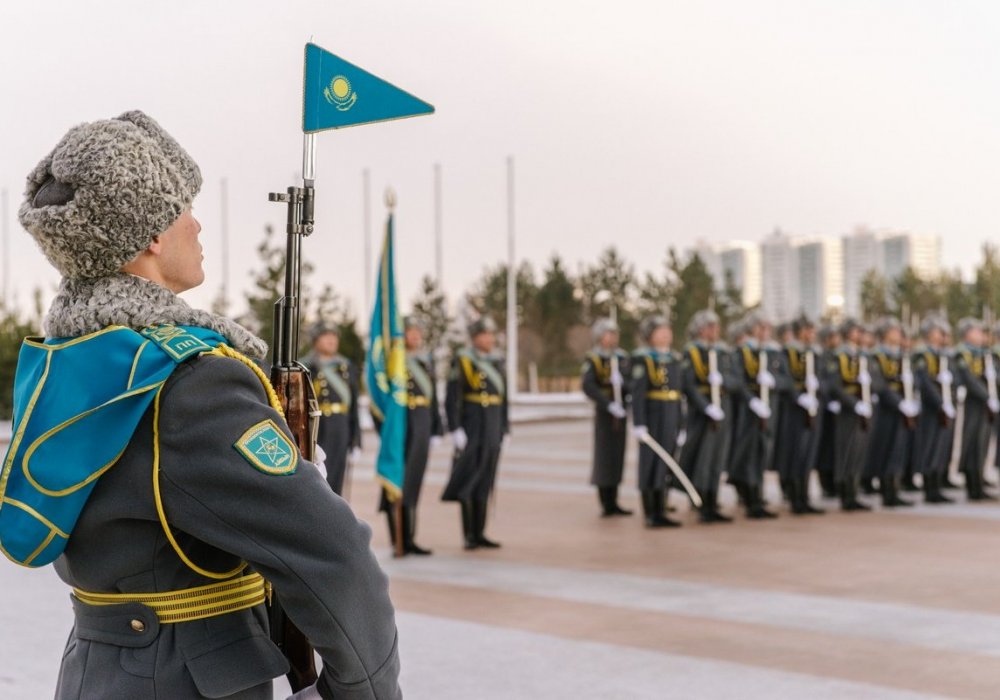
77 402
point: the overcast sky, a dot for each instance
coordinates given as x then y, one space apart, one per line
639 124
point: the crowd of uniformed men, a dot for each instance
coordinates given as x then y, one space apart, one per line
871 409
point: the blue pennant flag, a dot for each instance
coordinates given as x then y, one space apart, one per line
386 373
338 94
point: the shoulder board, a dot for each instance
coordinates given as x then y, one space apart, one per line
178 343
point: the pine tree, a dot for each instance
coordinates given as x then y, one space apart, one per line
431 307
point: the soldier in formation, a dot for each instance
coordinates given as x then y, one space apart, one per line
604 370
335 380
477 410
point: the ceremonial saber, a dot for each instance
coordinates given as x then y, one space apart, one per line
811 390
656 447
713 368
866 389
945 388
765 391
908 394
616 387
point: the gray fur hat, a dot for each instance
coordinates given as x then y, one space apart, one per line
321 328
886 324
705 317
102 194
967 324
602 326
650 324
932 323
412 321
484 324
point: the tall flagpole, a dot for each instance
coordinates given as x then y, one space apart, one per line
511 286
438 249
367 205
5 250
224 235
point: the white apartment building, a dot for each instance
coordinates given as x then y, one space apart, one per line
821 276
780 297
739 260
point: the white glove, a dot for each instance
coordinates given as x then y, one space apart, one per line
715 413
319 459
682 437
459 439
616 409
808 402
910 409
961 393
309 693
945 377
354 455
639 431
864 379
766 379
616 378
435 441
715 379
812 383
762 410
863 409
948 410
833 407
994 406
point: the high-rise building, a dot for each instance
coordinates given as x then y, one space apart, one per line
821 277
739 261
919 251
862 254
780 298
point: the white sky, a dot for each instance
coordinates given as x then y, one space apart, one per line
643 124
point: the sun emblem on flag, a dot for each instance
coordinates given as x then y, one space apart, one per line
340 94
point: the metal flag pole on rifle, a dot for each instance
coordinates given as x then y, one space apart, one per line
336 94
656 447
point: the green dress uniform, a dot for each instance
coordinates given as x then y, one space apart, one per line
476 402
935 429
798 431
852 429
970 372
183 509
337 388
706 451
829 409
657 390
892 433
752 434
610 434
423 421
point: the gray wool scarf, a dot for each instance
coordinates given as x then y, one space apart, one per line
88 305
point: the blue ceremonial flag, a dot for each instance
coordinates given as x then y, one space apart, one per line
387 373
338 94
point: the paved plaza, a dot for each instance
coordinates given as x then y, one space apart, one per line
901 604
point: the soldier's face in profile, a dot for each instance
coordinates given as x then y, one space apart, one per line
711 333
974 337
893 338
609 340
935 338
662 338
414 338
807 335
485 342
179 255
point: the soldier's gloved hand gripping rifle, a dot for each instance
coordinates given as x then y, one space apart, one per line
336 94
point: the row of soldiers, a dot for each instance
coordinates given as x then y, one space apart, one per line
475 413
855 404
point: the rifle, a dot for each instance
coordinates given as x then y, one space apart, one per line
866 389
908 394
294 387
764 391
946 399
811 374
716 391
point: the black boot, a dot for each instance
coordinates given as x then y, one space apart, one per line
890 494
830 489
907 484
469 525
807 507
796 497
607 498
479 508
409 527
947 483
390 517
755 505
868 486
615 508
710 512
854 504
654 504
932 489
